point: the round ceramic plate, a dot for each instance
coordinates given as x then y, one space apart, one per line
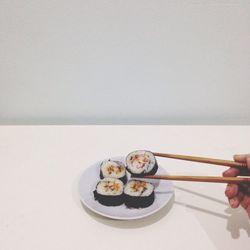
89 179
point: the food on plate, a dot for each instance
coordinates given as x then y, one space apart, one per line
141 162
138 194
109 192
114 169
113 188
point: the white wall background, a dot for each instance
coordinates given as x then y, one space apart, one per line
124 61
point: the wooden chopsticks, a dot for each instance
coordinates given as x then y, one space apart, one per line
233 180
226 163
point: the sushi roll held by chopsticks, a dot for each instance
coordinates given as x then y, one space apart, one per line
141 163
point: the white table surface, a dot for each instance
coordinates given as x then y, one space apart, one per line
40 209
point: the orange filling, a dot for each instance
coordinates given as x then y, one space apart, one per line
141 160
137 186
112 186
116 169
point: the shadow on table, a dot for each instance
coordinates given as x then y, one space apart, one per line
201 195
121 223
236 218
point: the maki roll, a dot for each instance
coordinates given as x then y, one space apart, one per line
141 162
114 169
109 192
138 194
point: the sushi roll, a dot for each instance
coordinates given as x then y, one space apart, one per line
109 192
138 194
141 162
114 169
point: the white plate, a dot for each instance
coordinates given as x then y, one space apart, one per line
87 184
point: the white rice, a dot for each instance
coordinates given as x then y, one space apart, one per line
140 161
138 188
113 169
110 186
